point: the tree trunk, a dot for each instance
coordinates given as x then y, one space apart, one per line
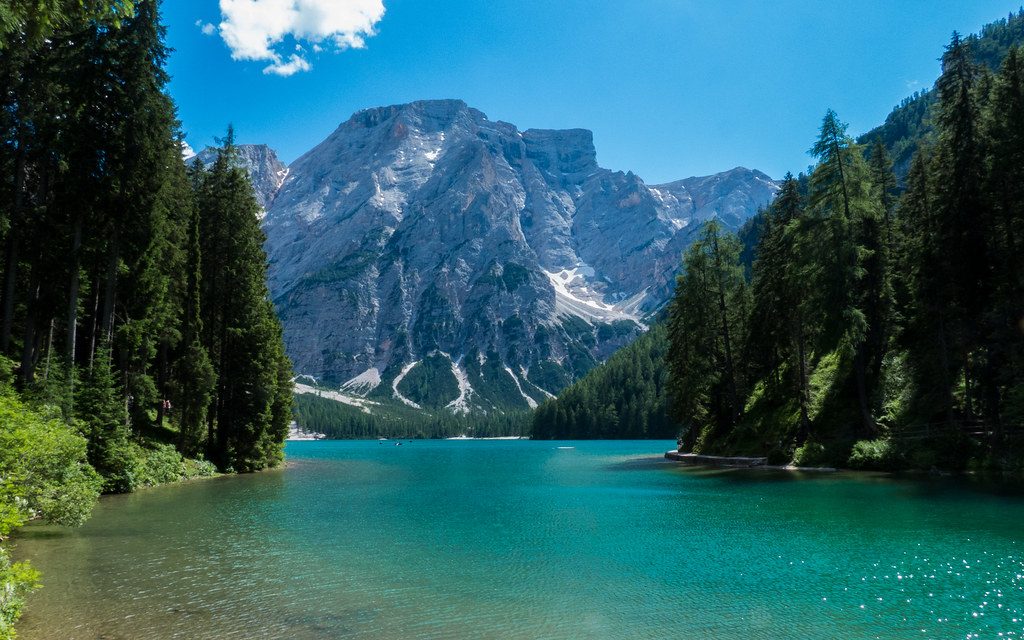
161 382
11 252
73 288
10 285
726 339
28 350
95 321
49 350
860 375
805 421
110 290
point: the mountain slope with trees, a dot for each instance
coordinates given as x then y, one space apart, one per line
911 121
622 399
875 332
784 372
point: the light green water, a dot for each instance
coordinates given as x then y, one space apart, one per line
523 540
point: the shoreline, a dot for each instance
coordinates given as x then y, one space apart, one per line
739 462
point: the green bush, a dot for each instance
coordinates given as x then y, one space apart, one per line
160 465
43 474
872 454
811 454
199 469
43 467
17 580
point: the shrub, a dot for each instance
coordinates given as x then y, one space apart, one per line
160 465
872 454
811 454
199 468
17 580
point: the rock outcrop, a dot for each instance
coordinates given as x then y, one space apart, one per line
428 254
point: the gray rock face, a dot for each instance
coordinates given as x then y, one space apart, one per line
266 171
424 230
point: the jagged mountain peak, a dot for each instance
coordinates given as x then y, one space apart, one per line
424 249
265 169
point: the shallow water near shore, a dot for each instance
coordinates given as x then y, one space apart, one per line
524 540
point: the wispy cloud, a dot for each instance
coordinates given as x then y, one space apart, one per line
207 28
256 29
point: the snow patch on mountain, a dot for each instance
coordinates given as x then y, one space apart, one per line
398 379
361 403
575 296
364 383
460 404
529 401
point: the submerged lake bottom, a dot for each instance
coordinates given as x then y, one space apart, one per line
526 540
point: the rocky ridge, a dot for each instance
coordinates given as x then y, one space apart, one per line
427 255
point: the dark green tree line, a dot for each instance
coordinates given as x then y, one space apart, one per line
624 398
132 293
884 329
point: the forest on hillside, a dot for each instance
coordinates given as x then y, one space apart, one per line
877 329
138 344
866 407
339 421
624 398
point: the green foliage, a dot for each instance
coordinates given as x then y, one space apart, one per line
431 383
911 123
162 464
17 581
811 454
43 467
624 398
102 411
134 295
38 19
707 325
341 421
251 404
824 382
884 330
43 474
878 455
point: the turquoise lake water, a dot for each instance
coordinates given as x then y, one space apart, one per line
524 540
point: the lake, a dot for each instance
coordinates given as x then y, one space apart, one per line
525 540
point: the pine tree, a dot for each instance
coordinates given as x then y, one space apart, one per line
707 325
781 321
101 409
1004 345
961 212
883 179
242 332
852 288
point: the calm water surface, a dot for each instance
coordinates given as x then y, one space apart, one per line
523 540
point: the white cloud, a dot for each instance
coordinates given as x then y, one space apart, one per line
255 29
294 65
207 28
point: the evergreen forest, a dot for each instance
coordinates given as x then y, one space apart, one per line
138 344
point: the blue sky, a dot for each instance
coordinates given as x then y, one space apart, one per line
670 88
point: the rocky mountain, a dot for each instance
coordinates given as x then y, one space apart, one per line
427 255
266 171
